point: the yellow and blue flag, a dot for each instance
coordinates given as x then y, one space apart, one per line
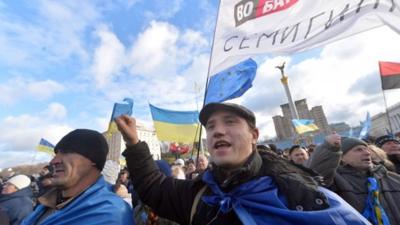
45 146
304 125
176 126
232 82
118 110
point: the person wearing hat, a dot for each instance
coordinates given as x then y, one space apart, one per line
16 198
80 195
391 145
242 186
348 169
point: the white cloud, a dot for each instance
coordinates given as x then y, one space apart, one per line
108 57
332 79
21 134
19 87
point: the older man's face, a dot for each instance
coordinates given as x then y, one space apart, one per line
230 140
70 169
358 157
391 148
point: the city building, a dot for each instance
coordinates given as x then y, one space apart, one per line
116 143
380 124
283 125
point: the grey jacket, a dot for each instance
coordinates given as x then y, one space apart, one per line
351 184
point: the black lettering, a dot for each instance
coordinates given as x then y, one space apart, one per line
267 36
393 6
376 4
359 6
342 13
241 43
310 24
295 28
225 49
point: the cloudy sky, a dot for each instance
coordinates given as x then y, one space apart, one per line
63 64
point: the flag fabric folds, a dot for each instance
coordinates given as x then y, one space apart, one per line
232 82
175 126
118 110
304 125
45 146
390 75
245 28
366 127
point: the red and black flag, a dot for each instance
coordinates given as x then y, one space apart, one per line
390 75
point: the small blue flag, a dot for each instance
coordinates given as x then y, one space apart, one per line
119 110
366 127
45 146
232 82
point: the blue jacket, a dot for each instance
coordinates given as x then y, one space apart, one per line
97 205
17 205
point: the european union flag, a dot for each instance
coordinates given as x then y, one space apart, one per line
232 82
366 127
118 110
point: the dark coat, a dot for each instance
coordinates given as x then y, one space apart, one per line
18 205
351 184
171 198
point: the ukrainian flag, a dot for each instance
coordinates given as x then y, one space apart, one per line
176 126
118 110
45 146
304 125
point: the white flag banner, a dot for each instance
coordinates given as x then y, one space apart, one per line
248 27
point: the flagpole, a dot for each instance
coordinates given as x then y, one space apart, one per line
387 112
208 78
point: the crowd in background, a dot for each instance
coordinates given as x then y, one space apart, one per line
346 164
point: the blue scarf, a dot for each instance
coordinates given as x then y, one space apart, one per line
374 211
96 205
259 202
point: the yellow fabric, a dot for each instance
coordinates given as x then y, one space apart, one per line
180 133
46 149
112 128
306 128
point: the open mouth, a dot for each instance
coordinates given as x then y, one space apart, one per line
221 144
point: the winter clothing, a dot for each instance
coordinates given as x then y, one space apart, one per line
351 184
20 181
96 205
88 143
173 199
17 205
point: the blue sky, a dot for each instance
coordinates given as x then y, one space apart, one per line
63 64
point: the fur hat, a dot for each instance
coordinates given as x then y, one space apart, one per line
88 143
20 181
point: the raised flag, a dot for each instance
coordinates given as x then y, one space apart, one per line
304 125
175 126
390 75
366 127
118 110
248 27
232 82
45 146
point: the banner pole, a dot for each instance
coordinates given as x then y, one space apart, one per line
208 78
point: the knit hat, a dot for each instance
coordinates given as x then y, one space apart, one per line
239 110
20 181
349 143
88 143
385 138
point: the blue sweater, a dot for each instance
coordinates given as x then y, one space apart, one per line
17 205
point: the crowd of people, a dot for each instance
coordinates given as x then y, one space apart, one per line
344 180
